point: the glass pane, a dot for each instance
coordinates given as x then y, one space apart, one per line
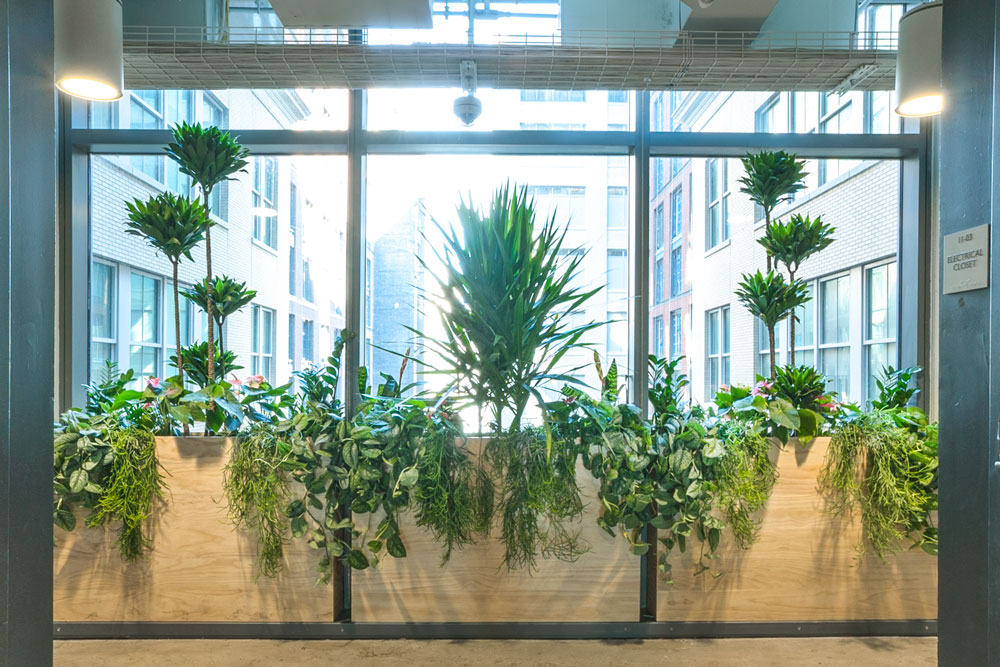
676 334
145 309
879 355
145 361
263 109
855 112
713 332
102 301
805 334
836 364
836 308
100 354
559 110
725 330
407 195
882 302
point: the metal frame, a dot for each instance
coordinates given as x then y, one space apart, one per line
357 143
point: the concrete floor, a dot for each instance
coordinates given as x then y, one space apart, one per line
856 652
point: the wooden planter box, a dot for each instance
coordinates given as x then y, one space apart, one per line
200 566
804 568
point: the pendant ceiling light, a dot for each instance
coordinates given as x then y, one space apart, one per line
918 62
88 48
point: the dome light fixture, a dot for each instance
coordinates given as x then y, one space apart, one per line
918 62
88 48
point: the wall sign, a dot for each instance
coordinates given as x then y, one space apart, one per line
967 260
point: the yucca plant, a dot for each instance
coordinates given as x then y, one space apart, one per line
173 226
793 242
771 178
227 296
772 299
196 358
503 289
209 156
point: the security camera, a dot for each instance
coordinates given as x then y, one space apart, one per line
468 108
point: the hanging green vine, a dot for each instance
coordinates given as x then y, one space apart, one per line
257 492
746 475
884 464
134 484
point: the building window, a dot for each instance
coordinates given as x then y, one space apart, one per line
213 112
805 330
834 330
676 273
103 317
308 340
146 113
617 270
658 227
717 345
772 116
676 213
307 282
880 323
676 335
553 96
291 340
658 281
264 200
617 96
293 210
145 338
617 207
291 270
567 202
659 177
262 342
764 353
659 117
718 201
617 328
658 334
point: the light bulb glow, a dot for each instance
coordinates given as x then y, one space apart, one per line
89 89
925 105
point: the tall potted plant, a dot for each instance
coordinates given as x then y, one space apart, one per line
222 297
173 226
769 179
772 299
503 289
209 156
791 243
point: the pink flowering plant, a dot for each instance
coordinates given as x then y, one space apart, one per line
786 406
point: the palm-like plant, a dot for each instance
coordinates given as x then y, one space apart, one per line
771 178
770 298
196 358
221 297
209 156
793 242
173 226
504 287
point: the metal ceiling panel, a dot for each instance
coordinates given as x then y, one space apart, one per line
354 13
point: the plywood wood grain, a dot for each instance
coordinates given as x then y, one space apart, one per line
200 567
805 566
603 585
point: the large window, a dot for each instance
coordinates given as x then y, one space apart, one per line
264 198
805 330
676 213
835 349
145 333
676 334
103 317
262 342
718 202
717 347
880 323
308 340
658 227
676 272
658 279
658 334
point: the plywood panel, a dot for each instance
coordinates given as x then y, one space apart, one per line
603 585
200 567
805 566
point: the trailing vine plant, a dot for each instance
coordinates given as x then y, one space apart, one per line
883 464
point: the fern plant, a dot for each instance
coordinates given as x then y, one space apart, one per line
771 299
173 226
769 179
227 296
209 156
791 243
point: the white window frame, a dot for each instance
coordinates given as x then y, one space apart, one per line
719 319
258 355
892 269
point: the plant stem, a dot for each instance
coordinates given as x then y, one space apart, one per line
767 230
770 341
205 192
791 325
177 328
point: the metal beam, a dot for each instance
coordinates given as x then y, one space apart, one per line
737 144
28 146
554 631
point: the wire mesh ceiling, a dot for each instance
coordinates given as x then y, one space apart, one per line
207 58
